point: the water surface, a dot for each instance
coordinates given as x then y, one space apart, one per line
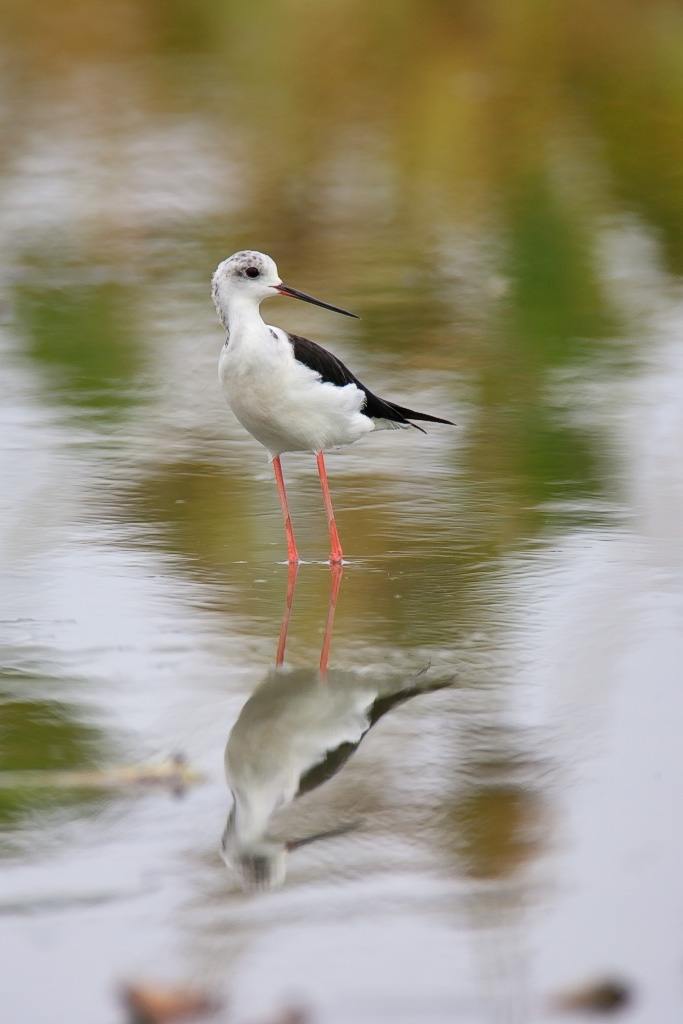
491 191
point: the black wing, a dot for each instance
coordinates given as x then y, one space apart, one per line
333 371
335 759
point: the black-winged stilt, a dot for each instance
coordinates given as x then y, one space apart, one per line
290 393
295 732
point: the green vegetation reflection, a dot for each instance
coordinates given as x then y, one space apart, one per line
39 734
83 337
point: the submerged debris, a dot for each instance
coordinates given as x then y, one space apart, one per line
148 1003
604 995
173 773
152 1003
291 1015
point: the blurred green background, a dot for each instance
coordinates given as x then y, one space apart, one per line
453 171
495 186
447 168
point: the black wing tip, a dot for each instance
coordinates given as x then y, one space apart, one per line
439 419
426 417
430 419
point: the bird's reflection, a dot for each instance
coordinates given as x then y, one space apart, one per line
296 731
336 578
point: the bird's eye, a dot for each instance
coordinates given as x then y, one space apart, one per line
252 272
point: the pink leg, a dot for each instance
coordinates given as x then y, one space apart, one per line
336 553
291 583
337 572
292 553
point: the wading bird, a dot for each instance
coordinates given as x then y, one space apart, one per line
297 730
291 394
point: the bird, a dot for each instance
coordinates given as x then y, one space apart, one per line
291 736
290 393
298 729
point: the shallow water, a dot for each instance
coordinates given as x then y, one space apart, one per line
510 826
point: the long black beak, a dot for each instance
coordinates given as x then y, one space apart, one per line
284 290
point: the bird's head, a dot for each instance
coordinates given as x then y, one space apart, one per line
258 861
247 274
252 276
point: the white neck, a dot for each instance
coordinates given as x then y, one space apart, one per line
239 311
251 820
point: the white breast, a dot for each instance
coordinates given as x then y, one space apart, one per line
284 404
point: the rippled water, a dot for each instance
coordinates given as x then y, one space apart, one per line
501 819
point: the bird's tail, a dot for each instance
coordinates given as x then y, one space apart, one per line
410 414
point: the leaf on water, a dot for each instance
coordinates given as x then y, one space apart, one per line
151 1003
604 995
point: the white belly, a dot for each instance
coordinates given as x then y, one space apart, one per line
284 404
